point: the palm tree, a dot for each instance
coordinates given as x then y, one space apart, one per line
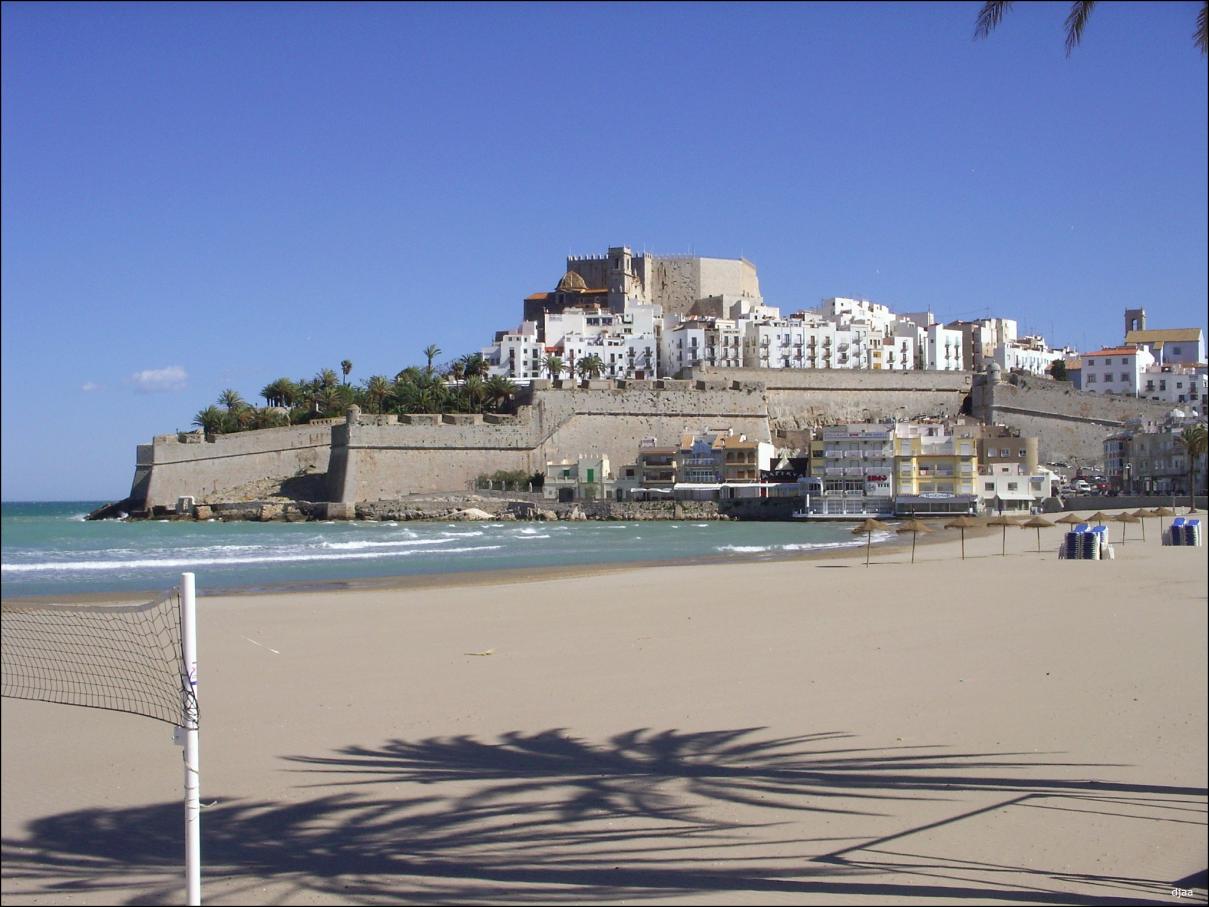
473 364
553 365
430 353
231 400
326 378
992 11
475 393
590 366
376 390
210 420
346 366
1193 439
500 391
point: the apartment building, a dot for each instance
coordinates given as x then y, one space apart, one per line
935 468
857 470
1117 370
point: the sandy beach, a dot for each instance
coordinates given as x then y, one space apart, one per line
1013 729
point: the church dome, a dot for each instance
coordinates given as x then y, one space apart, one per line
571 281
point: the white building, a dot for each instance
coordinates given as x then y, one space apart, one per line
1028 354
1176 346
894 354
841 310
582 479
1175 384
858 471
698 341
943 350
516 354
1115 371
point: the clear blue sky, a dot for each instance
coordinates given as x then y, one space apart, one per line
203 196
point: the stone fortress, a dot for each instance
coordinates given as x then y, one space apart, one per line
370 457
675 283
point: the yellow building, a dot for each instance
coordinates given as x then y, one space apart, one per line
933 465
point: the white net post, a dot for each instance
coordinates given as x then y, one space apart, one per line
188 600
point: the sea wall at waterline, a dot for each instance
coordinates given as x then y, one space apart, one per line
206 467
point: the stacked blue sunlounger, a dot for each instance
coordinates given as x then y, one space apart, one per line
1086 544
1184 532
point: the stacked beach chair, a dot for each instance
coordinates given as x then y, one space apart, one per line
1183 532
1085 543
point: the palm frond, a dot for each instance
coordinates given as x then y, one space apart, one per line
1201 36
988 17
1080 10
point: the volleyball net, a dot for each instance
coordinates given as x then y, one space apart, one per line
140 659
125 659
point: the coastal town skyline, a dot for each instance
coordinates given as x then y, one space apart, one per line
299 189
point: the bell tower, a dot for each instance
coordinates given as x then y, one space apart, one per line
1135 320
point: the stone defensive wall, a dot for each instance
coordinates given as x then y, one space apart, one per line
376 458
370 458
1071 425
802 398
188 464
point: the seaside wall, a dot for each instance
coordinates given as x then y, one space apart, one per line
186 464
1071 425
384 459
801 398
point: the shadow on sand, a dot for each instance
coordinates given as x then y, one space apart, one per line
548 817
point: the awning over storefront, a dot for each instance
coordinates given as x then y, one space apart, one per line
935 502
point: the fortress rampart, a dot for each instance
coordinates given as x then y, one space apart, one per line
801 398
1071 425
428 453
187 464
368 458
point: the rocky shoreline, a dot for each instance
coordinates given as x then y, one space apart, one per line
444 508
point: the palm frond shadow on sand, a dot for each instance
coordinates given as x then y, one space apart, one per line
550 817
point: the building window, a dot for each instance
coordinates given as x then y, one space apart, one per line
989 486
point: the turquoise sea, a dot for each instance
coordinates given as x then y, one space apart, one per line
48 549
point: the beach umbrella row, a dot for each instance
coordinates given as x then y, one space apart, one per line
1038 522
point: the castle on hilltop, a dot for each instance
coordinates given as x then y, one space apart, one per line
674 283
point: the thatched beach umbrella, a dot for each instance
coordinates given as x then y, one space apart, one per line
868 527
914 527
1161 512
1038 522
1100 517
963 523
1141 514
1124 518
1003 521
1072 519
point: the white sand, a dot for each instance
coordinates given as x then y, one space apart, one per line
1016 729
